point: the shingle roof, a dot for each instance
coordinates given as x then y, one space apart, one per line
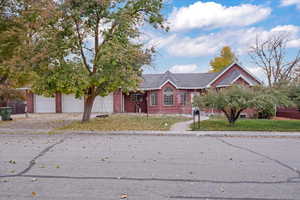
181 80
195 80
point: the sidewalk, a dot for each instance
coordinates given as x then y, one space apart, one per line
185 126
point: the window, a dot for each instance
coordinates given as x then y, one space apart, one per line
183 98
153 99
136 97
168 97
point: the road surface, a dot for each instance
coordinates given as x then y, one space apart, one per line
90 166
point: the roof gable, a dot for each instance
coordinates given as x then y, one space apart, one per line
252 80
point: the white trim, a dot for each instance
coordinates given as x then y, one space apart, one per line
234 63
244 78
218 86
167 82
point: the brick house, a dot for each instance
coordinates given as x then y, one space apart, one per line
168 93
172 93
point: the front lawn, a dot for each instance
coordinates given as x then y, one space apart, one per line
127 122
249 125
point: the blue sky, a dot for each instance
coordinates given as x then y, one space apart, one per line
199 29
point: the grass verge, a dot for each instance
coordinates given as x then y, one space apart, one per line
249 125
127 122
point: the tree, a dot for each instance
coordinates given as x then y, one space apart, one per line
234 100
95 48
226 58
13 71
270 56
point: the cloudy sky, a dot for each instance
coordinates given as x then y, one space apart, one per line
199 29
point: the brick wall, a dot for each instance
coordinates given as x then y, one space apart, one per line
30 101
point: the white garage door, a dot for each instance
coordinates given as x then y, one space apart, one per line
70 104
44 104
101 104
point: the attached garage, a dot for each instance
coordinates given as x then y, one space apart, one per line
72 105
67 104
44 104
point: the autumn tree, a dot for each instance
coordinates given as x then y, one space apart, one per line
95 47
13 71
271 56
226 58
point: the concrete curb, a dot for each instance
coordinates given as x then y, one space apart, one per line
155 133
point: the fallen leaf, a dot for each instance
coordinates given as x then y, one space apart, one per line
12 162
33 193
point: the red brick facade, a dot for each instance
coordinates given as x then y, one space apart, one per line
145 106
30 101
58 103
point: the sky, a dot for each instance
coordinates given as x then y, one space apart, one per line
199 30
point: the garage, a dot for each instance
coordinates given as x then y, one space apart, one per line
72 105
44 104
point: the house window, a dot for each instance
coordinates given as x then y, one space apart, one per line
153 99
136 97
168 97
184 98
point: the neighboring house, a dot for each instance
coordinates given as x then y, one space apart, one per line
168 93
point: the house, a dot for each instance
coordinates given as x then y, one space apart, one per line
168 93
172 93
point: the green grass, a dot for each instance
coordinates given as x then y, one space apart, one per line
126 122
249 125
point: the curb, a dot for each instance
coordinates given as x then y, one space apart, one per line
154 133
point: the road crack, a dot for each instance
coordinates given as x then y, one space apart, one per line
282 164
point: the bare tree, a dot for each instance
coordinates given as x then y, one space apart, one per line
270 55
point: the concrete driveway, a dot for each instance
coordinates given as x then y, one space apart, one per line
82 166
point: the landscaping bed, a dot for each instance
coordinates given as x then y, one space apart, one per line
249 125
127 122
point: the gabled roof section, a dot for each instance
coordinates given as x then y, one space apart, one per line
195 80
179 80
233 77
230 79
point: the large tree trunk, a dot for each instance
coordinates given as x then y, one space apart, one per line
88 106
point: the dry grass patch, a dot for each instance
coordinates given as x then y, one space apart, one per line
127 122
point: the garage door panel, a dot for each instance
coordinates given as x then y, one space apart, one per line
103 104
72 105
44 104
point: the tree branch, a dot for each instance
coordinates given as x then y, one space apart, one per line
80 43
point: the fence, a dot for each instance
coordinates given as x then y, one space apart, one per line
292 113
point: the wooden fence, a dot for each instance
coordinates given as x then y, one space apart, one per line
292 113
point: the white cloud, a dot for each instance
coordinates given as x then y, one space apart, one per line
240 40
213 15
258 72
290 3
192 68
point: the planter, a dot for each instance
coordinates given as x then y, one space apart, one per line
5 113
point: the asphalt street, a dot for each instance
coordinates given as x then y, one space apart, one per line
91 166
